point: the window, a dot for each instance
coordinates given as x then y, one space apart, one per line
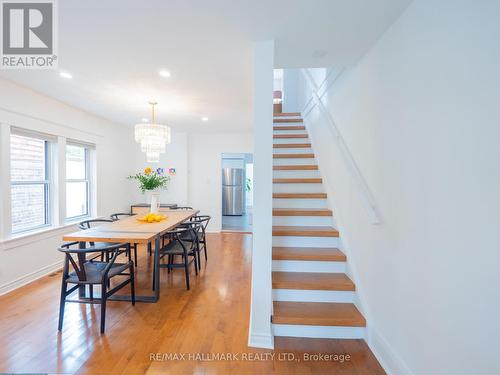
29 176
77 181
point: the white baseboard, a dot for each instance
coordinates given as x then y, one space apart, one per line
26 279
261 341
390 361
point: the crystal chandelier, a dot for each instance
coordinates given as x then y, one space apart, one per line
152 137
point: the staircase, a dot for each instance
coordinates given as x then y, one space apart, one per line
313 297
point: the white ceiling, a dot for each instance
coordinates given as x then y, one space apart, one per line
115 48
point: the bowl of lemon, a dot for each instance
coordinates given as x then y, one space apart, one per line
152 218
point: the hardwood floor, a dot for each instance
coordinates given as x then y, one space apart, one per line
210 318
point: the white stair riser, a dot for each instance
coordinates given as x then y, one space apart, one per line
289 132
293 150
291 140
322 221
326 332
296 241
334 296
296 174
288 123
298 188
299 203
294 161
308 266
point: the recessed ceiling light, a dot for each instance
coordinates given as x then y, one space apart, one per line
164 73
204 118
65 75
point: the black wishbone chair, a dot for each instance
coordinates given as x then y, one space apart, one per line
179 247
87 224
201 235
91 272
118 216
181 208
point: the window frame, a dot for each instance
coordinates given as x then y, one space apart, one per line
46 183
87 180
55 175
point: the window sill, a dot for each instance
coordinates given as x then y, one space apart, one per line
77 219
38 235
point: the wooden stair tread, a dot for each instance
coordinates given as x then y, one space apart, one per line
318 314
278 120
287 114
312 281
304 231
302 212
291 145
282 136
300 195
297 167
289 127
321 254
293 156
297 180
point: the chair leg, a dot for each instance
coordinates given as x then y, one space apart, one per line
186 268
62 304
91 292
149 248
103 306
132 284
135 254
196 254
205 249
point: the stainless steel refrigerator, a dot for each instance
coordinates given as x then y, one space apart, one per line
233 191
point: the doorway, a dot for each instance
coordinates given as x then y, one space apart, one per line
237 192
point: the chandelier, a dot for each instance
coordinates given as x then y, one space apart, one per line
153 137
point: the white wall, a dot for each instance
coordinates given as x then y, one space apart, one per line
25 259
260 330
290 83
420 116
205 170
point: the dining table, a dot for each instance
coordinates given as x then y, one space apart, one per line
133 231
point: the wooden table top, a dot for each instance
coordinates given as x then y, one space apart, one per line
130 229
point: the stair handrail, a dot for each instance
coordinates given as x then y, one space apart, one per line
354 171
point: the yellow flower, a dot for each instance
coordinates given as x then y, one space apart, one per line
147 171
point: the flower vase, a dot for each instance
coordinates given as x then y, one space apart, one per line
155 201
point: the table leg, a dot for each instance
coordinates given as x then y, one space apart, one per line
156 271
81 289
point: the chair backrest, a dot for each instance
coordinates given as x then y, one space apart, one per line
181 208
71 251
202 219
116 216
87 224
188 232
195 228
